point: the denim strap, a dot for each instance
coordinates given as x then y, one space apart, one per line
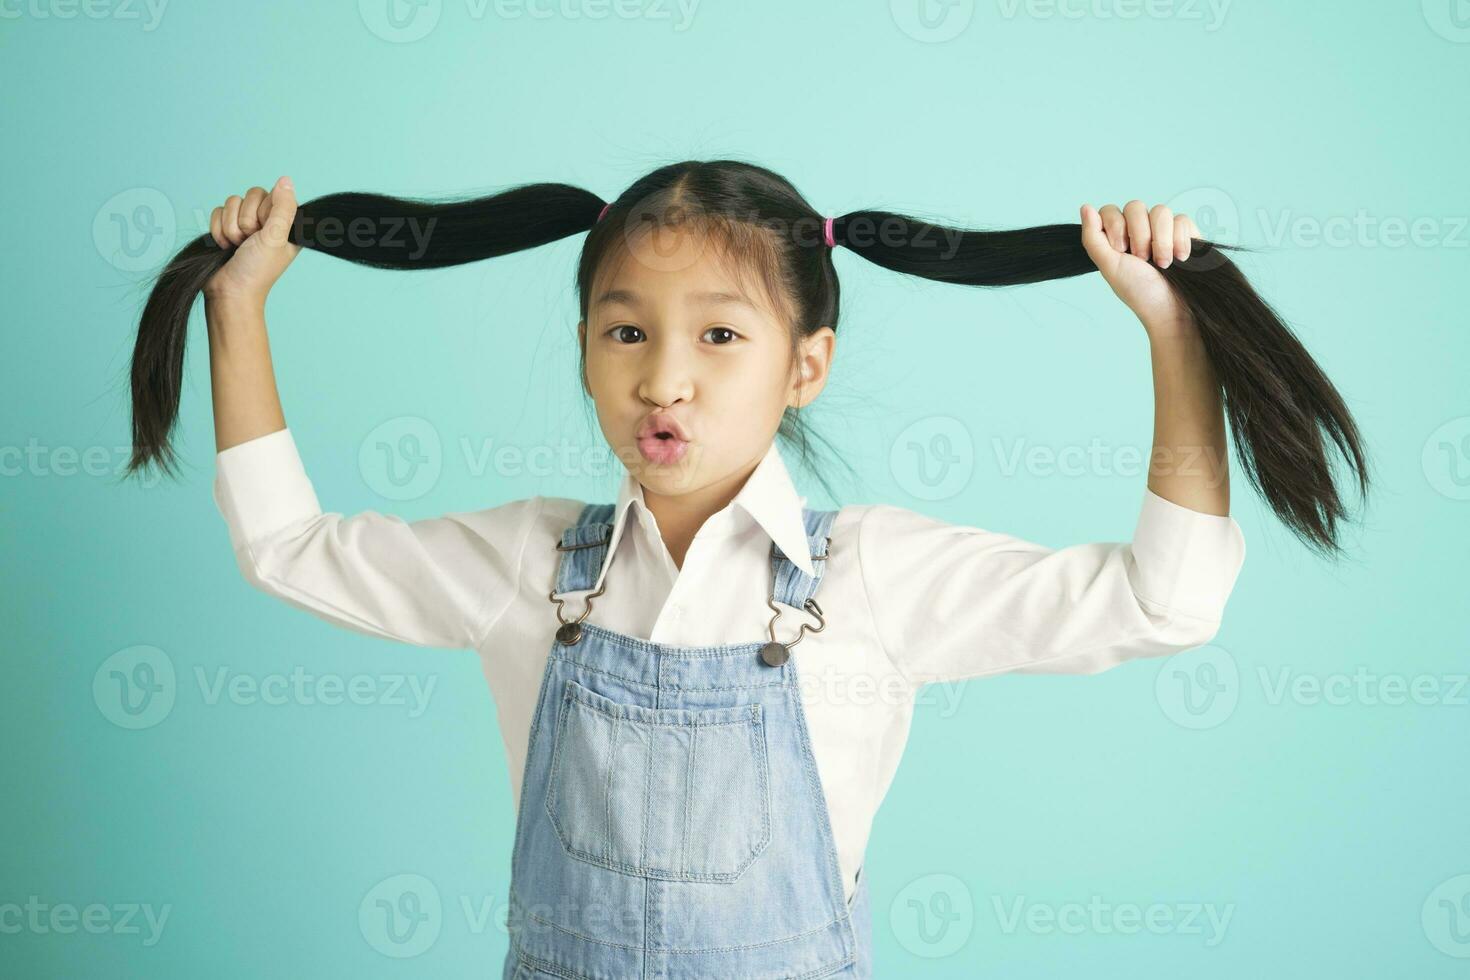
578 569
793 586
580 566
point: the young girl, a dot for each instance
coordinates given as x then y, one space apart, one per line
704 688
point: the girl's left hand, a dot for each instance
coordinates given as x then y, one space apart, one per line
1127 244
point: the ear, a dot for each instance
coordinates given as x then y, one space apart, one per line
813 364
582 334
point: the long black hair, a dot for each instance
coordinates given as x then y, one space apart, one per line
1282 410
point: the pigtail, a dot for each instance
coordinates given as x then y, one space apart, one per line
369 229
1282 409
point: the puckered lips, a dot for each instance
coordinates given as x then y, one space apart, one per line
662 439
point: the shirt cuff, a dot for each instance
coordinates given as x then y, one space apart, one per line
260 486
1185 561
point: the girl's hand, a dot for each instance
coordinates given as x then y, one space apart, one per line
257 228
1127 244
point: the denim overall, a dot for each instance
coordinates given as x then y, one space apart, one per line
672 825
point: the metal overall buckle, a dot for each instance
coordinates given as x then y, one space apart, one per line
776 653
570 630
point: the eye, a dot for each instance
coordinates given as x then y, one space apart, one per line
617 333
723 330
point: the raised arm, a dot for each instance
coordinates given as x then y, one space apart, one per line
436 582
242 379
952 602
1189 464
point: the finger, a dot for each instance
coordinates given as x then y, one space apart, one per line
1161 226
1181 236
282 213
1112 219
232 219
1095 241
250 210
1136 217
216 227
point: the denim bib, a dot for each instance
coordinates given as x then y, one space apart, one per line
672 824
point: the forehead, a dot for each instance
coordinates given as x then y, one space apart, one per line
683 267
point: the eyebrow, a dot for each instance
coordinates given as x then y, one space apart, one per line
629 298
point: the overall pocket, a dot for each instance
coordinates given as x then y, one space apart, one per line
673 793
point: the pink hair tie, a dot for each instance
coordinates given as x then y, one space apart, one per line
827 232
604 210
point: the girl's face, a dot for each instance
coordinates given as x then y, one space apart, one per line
671 335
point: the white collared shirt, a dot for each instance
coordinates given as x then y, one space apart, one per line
909 600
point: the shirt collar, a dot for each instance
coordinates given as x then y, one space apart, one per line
768 497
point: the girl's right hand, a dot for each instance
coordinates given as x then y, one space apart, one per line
257 227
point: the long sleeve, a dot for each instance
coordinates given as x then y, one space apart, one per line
952 602
438 582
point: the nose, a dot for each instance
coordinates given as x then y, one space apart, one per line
666 377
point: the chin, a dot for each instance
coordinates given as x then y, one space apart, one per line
672 479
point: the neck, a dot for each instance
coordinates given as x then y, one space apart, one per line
680 516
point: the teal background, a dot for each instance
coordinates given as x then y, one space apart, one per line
1333 834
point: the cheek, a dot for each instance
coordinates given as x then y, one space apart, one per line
756 385
600 373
